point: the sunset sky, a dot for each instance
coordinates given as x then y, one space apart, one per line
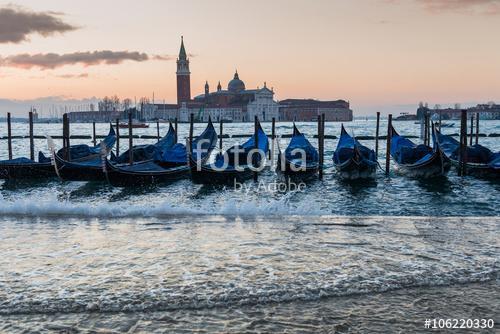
378 54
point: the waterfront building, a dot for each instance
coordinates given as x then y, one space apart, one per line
239 104
306 110
486 111
157 111
93 116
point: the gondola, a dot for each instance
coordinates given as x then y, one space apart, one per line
353 160
24 168
85 163
418 160
170 166
234 165
479 160
300 159
148 151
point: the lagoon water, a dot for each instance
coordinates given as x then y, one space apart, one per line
341 257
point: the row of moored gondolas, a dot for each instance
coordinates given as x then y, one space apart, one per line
168 160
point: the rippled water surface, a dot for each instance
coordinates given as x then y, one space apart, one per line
339 257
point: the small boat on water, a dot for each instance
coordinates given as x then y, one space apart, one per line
300 159
354 160
447 125
25 168
418 160
479 160
234 165
135 125
85 162
170 165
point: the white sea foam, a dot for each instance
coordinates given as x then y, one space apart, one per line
52 206
169 298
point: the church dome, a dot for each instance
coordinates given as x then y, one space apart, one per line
236 85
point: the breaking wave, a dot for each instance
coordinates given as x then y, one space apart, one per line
55 207
31 207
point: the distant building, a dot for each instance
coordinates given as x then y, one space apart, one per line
155 111
486 111
306 110
93 116
104 116
237 103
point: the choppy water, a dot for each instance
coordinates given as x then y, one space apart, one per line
340 257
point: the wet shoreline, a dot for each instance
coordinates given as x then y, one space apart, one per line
393 311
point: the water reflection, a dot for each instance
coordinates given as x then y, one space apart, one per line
438 185
358 187
87 189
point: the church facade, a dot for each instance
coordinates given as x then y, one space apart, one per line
236 103
233 104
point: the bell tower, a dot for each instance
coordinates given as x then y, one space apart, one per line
183 76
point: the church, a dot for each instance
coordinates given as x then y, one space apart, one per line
234 104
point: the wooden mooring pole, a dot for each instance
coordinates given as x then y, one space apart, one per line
9 136
428 129
425 128
176 133
477 128
130 142
323 121
94 140
376 134
158 130
191 124
321 144
66 134
388 150
440 119
320 171
471 129
255 156
220 134
117 137
68 137
273 138
463 143
32 142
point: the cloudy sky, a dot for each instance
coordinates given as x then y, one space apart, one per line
382 55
